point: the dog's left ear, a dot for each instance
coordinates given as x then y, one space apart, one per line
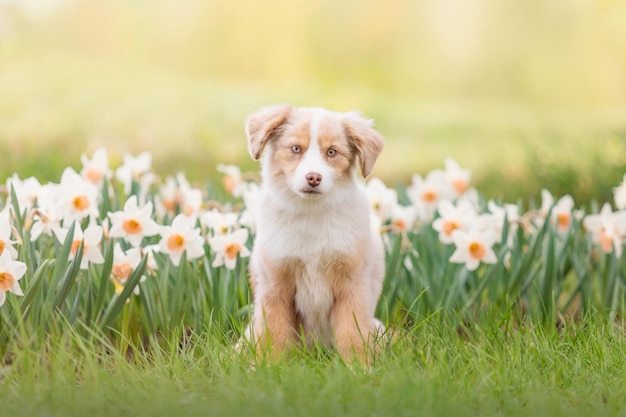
368 143
265 125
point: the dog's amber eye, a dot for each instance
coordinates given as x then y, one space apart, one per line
296 149
331 152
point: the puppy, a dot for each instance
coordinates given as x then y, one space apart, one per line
316 267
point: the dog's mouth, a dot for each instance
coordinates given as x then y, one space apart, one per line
310 192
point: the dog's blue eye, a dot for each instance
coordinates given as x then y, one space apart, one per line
296 149
331 152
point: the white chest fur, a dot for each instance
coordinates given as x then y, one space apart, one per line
312 231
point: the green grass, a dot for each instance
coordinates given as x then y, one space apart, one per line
433 369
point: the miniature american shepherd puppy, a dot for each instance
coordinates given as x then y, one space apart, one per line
317 267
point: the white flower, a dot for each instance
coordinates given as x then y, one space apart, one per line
403 218
457 177
26 191
90 238
76 197
233 184
382 199
96 169
473 247
134 168
562 211
219 223
191 201
425 193
251 196
619 194
6 244
604 229
227 247
181 237
44 223
510 212
10 273
170 194
133 223
124 263
453 218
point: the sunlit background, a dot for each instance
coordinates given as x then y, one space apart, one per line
525 93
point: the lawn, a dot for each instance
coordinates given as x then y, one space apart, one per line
495 367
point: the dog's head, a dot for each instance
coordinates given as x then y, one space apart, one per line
311 149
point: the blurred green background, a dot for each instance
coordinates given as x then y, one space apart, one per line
526 94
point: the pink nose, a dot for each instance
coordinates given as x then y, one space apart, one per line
314 179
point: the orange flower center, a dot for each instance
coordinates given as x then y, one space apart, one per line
606 243
2 245
232 249
400 225
229 183
460 185
75 245
429 196
175 242
122 271
6 281
477 250
132 226
563 220
81 203
93 175
450 226
170 205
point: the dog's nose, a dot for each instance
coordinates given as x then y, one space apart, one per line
314 179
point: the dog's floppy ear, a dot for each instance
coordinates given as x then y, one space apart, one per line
265 125
368 143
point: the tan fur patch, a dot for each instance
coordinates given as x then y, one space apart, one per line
276 325
352 323
331 136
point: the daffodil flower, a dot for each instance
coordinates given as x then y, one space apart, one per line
402 218
473 247
233 183
562 211
250 197
76 197
605 229
425 193
619 194
382 199
219 223
6 244
133 223
44 223
228 247
26 191
452 218
181 236
90 238
134 168
96 169
457 177
10 273
124 263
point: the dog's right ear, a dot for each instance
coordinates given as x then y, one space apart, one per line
265 125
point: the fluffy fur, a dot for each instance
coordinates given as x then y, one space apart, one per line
316 267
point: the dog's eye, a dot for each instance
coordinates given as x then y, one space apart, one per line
296 149
331 152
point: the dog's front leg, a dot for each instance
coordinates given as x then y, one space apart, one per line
275 323
275 319
351 327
